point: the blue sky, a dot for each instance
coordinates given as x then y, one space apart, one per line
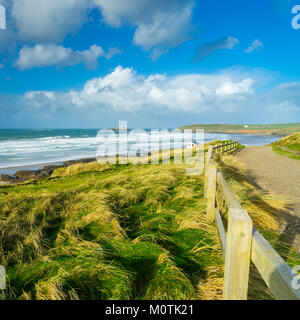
91 63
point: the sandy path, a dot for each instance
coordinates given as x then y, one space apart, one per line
279 175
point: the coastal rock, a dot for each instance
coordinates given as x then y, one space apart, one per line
25 175
43 174
46 172
84 160
7 178
51 167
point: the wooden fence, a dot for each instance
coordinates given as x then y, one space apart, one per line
242 243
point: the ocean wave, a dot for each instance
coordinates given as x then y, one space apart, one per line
62 147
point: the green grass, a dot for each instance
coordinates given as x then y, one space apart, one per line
286 153
99 231
288 146
109 232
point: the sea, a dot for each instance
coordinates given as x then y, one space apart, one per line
34 148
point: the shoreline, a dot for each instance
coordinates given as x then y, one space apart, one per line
36 166
34 169
35 172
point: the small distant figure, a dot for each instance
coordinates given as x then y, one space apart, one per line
191 145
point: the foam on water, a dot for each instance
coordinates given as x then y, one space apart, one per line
20 148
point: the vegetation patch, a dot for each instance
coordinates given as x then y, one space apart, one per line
95 231
288 146
99 231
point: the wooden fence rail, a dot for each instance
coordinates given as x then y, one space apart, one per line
242 243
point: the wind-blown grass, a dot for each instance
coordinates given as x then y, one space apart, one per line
288 146
109 232
99 231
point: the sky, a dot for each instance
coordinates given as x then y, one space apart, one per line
154 63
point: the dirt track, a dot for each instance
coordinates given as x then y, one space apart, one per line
279 175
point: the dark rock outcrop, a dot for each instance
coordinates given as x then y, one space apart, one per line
84 160
24 175
46 172
7 178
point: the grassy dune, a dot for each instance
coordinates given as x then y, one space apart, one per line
288 146
99 231
109 232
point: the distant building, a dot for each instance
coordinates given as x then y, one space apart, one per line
246 126
191 145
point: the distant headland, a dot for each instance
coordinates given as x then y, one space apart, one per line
281 129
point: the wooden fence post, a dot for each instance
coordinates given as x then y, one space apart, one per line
211 192
207 166
238 254
209 153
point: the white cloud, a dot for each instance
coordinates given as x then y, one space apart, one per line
38 98
228 87
125 90
59 56
228 96
112 52
255 45
48 21
208 48
160 25
37 94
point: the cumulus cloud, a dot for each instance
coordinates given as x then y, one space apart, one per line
208 48
48 21
39 98
159 98
112 52
228 87
124 90
59 56
160 25
255 46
